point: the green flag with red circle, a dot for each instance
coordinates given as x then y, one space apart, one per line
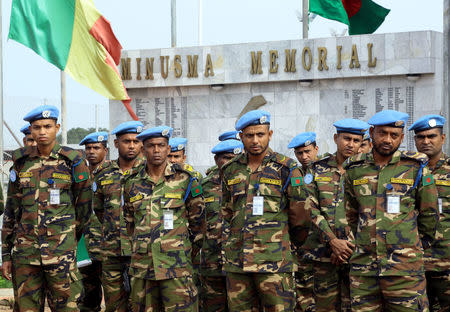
427 180
297 181
195 191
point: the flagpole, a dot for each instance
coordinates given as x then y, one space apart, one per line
173 11
305 18
446 78
63 109
1 95
200 22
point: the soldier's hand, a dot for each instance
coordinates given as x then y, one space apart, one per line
342 248
6 270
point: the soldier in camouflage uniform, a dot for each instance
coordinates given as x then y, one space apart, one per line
305 148
429 139
164 211
391 208
366 145
262 213
95 145
108 206
213 294
27 138
327 238
178 155
48 205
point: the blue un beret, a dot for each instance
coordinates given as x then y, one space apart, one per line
229 135
95 137
254 117
350 125
42 112
128 127
389 118
156 132
228 146
177 144
303 139
428 122
366 135
25 129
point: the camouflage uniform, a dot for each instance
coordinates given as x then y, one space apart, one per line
259 261
116 246
437 258
161 261
393 213
213 294
330 283
41 238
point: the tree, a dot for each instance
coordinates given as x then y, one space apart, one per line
75 135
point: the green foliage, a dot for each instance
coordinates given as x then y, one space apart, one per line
5 283
75 135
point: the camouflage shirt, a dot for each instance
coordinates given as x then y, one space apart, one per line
37 229
108 206
326 204
166 222
392 211
211 258
255 240
437 258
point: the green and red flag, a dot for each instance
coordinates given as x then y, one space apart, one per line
76 38
195 191
362 16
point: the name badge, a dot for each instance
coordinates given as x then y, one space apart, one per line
258 205
209 199
54 196
440 204
234 181
393 204
323 179
168 220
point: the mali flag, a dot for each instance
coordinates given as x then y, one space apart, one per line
362 16
76 38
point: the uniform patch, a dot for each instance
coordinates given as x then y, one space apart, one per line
172 195
13 175
234 181
296 181
209 199
80 177
136 198
308 178
443 182
61 176
360 182
402 181
427 180
25 174
188 168
195 191
94 187
323 179
126 172
106 182
270 181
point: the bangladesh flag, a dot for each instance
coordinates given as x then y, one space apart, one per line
362 16
76 38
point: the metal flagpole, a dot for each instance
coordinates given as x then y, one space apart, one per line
305 18
173 11
1 96
200 22
63 109
446 80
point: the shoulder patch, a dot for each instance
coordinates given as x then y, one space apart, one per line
188 167
308 178
420 157
82 176
427 180
285 161
297 181
196 191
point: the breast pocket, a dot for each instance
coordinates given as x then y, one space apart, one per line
27 191
405 193
272 197
65 193
237 192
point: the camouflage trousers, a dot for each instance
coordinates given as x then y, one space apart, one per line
388 293
176 294
63 287
304 288
116 284
331 287
213 294
438 290
91 280
14 283
252 292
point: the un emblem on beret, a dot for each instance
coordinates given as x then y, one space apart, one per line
263 119
100 138
139 129
237 150
165 132
237 136
46 114
307 142
180 147
399 123
432 123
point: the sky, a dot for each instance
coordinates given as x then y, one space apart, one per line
29 81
